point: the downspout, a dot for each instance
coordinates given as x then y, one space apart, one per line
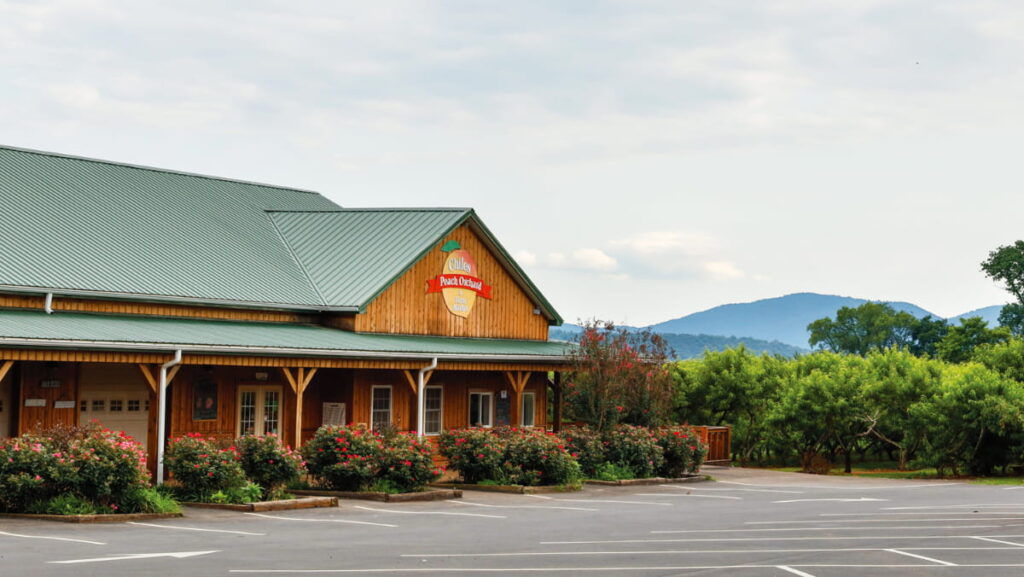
161 428
421 397
48 304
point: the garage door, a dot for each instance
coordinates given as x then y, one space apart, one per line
116 397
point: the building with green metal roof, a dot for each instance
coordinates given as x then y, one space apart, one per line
125 288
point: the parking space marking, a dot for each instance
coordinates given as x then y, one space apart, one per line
600 501
794 571
779 529
860 500
917 514
1013 488
756 539
922 557
998 541
195 529
698 552
487 505
822 522
51 538
448 513
968 506
634 569
682 488
674 495
842 487
346 521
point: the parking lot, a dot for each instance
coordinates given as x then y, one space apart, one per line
748 523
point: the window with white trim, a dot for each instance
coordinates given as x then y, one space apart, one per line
380 407
432 416
481 409
528 410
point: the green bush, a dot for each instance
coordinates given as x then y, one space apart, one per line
509 455
246 493
405 463
108 466
64 504
586 446
682 449
635 448
201 469
268 463
476 453
341 458
28 473
613 472
148 500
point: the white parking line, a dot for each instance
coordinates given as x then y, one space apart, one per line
474 504
998 541
301 519
195 529
756 539
396 511
794 571
600 501
968 506
823 528
916 514
623 570
686 488
922 557
694 552
51 538
822 522
842 487
674 495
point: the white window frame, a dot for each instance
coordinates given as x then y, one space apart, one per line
440 411
391 406
490 416
523 412
261 403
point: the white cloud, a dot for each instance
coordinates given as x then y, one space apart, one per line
592 259
723 271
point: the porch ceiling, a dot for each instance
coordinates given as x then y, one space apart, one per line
36 329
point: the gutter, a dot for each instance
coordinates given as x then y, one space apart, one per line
274 351
162 415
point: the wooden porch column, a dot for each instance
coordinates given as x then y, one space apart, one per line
518 380
148 373
298 381
556 386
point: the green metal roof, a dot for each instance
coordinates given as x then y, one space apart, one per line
36 329
350 256
82 226
92 226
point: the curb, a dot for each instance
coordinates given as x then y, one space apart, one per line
435 495
649 481
514 489
284 505
112 518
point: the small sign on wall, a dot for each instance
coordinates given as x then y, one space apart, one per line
63 404
35 402
334 414
50 384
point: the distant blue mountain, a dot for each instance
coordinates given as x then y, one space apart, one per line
783 319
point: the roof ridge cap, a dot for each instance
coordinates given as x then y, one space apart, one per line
154 169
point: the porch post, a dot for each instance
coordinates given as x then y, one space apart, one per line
298 382
556 386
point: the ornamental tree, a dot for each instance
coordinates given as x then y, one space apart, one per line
619 376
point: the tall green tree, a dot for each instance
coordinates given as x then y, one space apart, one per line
860 330
960 342
1011 316
1006 265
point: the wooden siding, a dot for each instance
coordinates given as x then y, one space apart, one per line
406 308
19 301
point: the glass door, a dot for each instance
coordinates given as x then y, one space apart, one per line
259 410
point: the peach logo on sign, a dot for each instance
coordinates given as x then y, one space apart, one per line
458 282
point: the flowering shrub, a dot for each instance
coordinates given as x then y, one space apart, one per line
586 446
201 469
405 463
682 450
72 469
509 455
635 448
535 457
476 453
268 463
341 458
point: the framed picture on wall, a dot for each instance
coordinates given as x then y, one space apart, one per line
204 400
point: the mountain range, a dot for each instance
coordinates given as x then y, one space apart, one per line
775 325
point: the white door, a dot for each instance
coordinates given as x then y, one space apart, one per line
116 397
259 410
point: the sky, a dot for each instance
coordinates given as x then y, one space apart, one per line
642 160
